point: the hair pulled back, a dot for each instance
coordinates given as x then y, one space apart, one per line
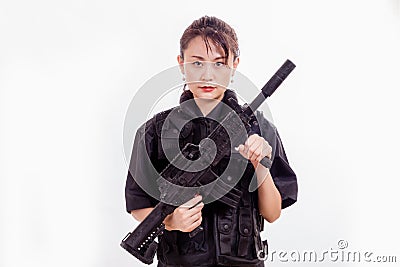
215 30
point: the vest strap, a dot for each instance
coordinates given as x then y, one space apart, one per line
245 231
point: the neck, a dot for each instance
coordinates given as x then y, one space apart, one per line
206 105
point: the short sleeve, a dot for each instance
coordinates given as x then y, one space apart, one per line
282 174
141 179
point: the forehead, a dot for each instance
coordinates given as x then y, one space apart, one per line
198 47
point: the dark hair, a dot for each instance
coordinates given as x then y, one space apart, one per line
214 29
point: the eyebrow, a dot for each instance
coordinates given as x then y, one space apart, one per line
201 58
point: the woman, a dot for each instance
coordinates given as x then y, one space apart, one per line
209 56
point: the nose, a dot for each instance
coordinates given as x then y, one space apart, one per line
207 74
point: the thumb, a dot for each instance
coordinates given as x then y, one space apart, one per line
240 148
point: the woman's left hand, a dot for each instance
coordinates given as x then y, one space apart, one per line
255 149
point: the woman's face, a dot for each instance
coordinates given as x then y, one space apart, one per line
206 73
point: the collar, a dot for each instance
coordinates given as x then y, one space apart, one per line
218 112
188 110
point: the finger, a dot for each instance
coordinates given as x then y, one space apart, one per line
259 158
198 205
189 222
195 216
192 202
269 151
186 217
195 210
254 156
241 149
255 150
195 224
252 138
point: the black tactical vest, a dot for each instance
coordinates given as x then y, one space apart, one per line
231 236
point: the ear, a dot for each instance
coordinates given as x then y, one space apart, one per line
235 64
180 62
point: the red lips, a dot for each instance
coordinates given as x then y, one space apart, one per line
207 88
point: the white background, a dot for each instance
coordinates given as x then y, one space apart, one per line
69 69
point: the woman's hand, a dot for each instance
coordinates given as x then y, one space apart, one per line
269 198
255 149
185 218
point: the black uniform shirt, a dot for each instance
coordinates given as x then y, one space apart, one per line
147 141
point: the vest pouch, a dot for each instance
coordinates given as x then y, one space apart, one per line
245 232
167 245
226 221
230 239
168 144
171 139
236 242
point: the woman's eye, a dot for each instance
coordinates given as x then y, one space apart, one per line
219 64
197 63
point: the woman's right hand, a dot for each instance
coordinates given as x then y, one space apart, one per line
185 218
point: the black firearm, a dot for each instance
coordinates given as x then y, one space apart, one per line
141 242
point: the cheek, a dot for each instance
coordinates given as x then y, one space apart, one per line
193 76
192 81
224 80
221 78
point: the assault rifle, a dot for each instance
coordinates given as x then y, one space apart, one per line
141 242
